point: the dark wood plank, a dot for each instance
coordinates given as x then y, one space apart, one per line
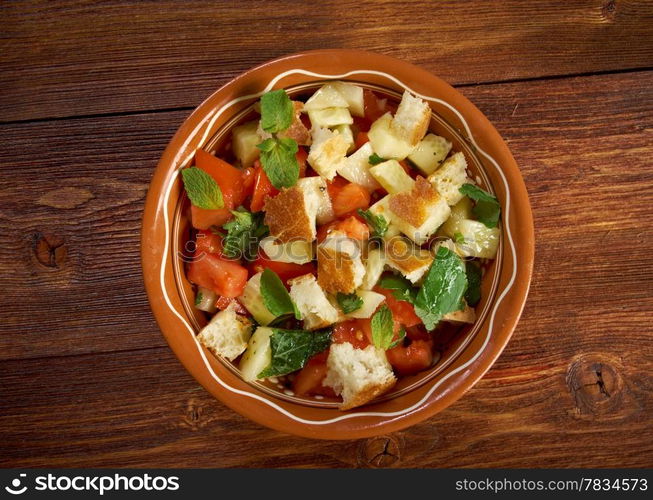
79 57
573 388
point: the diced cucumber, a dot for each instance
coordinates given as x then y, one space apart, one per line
392 177
373 268
353 94
371 300
460 211
385 142
253 302
356 168
480 240
347 134
326 96
330 117
244 141
430 152
258 354
295 252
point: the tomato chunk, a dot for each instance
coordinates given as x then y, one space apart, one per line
285 270
224 277
408 360
357 332
308 381
208 242
223 302
361 139
262 188
349 198
402 311
302 156
352 226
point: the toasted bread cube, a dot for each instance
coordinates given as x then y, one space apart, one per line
316 188
466 315
409 259
339 264
291 215
385 141
293 252
449 178
419 212
328 150
374 265
371 302
392 176
297 130
358 375
412 119
430 152
313 304
356 168
244 139
227 333
330 117
353 94
382 207
327 96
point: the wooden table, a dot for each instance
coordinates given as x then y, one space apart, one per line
91 93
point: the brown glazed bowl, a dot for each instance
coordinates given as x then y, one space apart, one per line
464 358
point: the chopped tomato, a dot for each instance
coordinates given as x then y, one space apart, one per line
285 270
375 107
357 332
349 198
223 302
208 242
224 277
249 179
361 139
352 226
262 188
407 168
301 156
408 360
230 181
334 186
308 381
361 124
402 311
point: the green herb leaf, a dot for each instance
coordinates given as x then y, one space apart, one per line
291 349
244 233
402 289
198 298
275 296
378 224
402 336
459 238
279 161
349 302
375 159
442 289
382 328
202 189
473 293
277 111
487 209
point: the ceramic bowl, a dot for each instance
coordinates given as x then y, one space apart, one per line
465 356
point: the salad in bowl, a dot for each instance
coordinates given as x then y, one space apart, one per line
335 241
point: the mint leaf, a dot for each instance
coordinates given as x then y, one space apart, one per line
349 302
202 189
473 293
198 298
382 328
275 296
487 209
292 348
402 336
375 159
442 289
459 238
401 288
244 232
378 224
277 111
279 161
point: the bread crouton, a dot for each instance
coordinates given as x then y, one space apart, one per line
419 212
339 264
356 168
328 150
374 265
411 121
407 258
449 178
291 215
358 375
466 315
297 129
226 334
293 252
313 304
316 188
386 142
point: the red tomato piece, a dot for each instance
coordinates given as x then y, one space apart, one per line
208 242
262 188
350 198
308 381
223 302
361 139
357 332
374 106
402 311
302 156
249 178
411 359
285 270
224 277
352 226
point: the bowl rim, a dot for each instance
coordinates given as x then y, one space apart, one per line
517 227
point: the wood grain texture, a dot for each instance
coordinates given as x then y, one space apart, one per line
79 57
87 380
